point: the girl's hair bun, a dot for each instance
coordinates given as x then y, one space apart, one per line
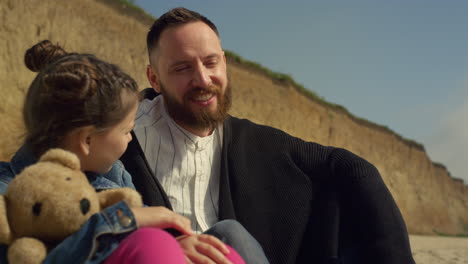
69 87
42 54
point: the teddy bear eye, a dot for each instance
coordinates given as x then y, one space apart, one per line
84 205
68 178
36 209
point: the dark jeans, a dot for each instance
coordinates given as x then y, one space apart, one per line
235 235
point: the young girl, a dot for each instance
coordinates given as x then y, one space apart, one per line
87 106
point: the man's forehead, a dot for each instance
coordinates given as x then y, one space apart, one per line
181 43
187 34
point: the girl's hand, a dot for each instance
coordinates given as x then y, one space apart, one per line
161 217
203 249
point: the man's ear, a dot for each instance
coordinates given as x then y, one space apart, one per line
153 78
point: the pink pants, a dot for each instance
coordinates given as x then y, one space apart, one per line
152 245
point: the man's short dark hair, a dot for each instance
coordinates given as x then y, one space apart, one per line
174 17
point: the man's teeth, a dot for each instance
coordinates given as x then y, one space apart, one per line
203 97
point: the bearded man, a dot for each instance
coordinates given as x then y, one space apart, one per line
303 202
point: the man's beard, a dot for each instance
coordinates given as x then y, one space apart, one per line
204 118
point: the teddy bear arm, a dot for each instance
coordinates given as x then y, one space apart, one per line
6 235
110 197
26 250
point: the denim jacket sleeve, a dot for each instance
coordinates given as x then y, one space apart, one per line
97 239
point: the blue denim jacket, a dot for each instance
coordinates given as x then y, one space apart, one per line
101 234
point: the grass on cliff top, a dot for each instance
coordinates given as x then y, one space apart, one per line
130 8
131 4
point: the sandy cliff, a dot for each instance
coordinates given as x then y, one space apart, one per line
430 200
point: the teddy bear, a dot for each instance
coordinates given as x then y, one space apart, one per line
49 201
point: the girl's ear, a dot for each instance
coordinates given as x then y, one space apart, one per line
153 78
83 138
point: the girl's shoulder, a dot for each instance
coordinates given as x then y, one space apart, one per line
20 160
6 175
116 177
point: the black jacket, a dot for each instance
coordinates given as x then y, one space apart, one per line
304 202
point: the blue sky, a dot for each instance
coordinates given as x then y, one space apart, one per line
402 64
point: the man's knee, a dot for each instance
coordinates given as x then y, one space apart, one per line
232 233
228 229
228 224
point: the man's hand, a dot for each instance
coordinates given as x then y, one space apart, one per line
204 249
161 217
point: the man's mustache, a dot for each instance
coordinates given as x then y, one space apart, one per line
214 89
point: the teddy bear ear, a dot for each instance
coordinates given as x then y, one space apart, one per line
66 158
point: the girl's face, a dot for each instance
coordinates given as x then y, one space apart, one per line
107 146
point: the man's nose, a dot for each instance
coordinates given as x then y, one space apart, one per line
202 77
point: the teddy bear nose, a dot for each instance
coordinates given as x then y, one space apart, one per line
84 205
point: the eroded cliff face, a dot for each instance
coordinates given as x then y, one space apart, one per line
430 200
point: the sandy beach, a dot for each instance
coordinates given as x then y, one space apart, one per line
439 249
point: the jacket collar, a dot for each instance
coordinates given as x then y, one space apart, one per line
226 205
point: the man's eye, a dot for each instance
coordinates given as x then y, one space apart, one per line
181 69
211 63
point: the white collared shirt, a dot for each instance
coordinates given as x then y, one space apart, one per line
186 165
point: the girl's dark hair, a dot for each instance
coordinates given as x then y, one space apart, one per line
72 90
